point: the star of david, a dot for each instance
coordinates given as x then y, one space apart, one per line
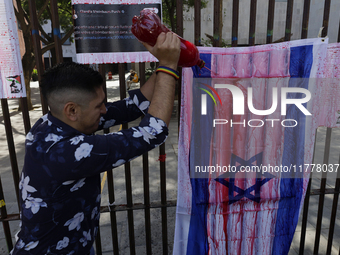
261 179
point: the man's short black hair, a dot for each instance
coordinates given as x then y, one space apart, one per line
69 82
70 75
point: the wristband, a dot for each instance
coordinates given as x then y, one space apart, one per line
169 71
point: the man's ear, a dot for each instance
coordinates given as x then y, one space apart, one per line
71 111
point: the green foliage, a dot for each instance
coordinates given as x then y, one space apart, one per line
34 75
169 11
191 3
64 11
149 72
207 42
43 8
65 14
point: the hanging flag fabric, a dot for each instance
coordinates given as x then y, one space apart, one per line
248 124
12 84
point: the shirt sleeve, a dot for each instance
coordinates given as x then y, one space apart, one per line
91 155
125 110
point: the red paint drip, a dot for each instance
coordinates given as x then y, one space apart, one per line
161 158
210 70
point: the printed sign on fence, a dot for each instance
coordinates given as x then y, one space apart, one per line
12 84
102 31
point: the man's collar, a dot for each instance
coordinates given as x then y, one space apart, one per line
62 125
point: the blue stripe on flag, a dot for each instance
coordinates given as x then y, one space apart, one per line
291 189
200 155
203 72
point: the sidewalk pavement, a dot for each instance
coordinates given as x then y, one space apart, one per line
137 186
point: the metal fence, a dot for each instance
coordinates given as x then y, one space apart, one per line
130 208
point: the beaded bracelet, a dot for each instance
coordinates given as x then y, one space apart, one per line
169 71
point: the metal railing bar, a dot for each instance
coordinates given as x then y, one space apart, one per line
234 31
289 17
37 50
304 218
334 211
113 217
7 231
25 114
270 21
339 33
127 166
306 205
163 198
146 181
3 215
197 22
11 147
11 217
179 31
252 22
111 208
322 192
305 19
338 41
217 27
101 70
179 18
327 148
318 192
338 178
326 12
137 206
147 215
106 131
98 243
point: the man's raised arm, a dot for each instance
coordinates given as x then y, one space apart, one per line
160 88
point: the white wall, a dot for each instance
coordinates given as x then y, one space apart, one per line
315 20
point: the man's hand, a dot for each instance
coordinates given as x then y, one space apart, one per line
166 49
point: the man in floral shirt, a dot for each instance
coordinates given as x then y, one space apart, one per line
60 184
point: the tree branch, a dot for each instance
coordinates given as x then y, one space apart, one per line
43 40
27 19
16 12
63 40
23 13
42 9
45 35
47 48
49 12
20 15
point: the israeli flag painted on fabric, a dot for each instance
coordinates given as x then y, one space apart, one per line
251 213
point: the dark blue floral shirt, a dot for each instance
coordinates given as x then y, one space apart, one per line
60 184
